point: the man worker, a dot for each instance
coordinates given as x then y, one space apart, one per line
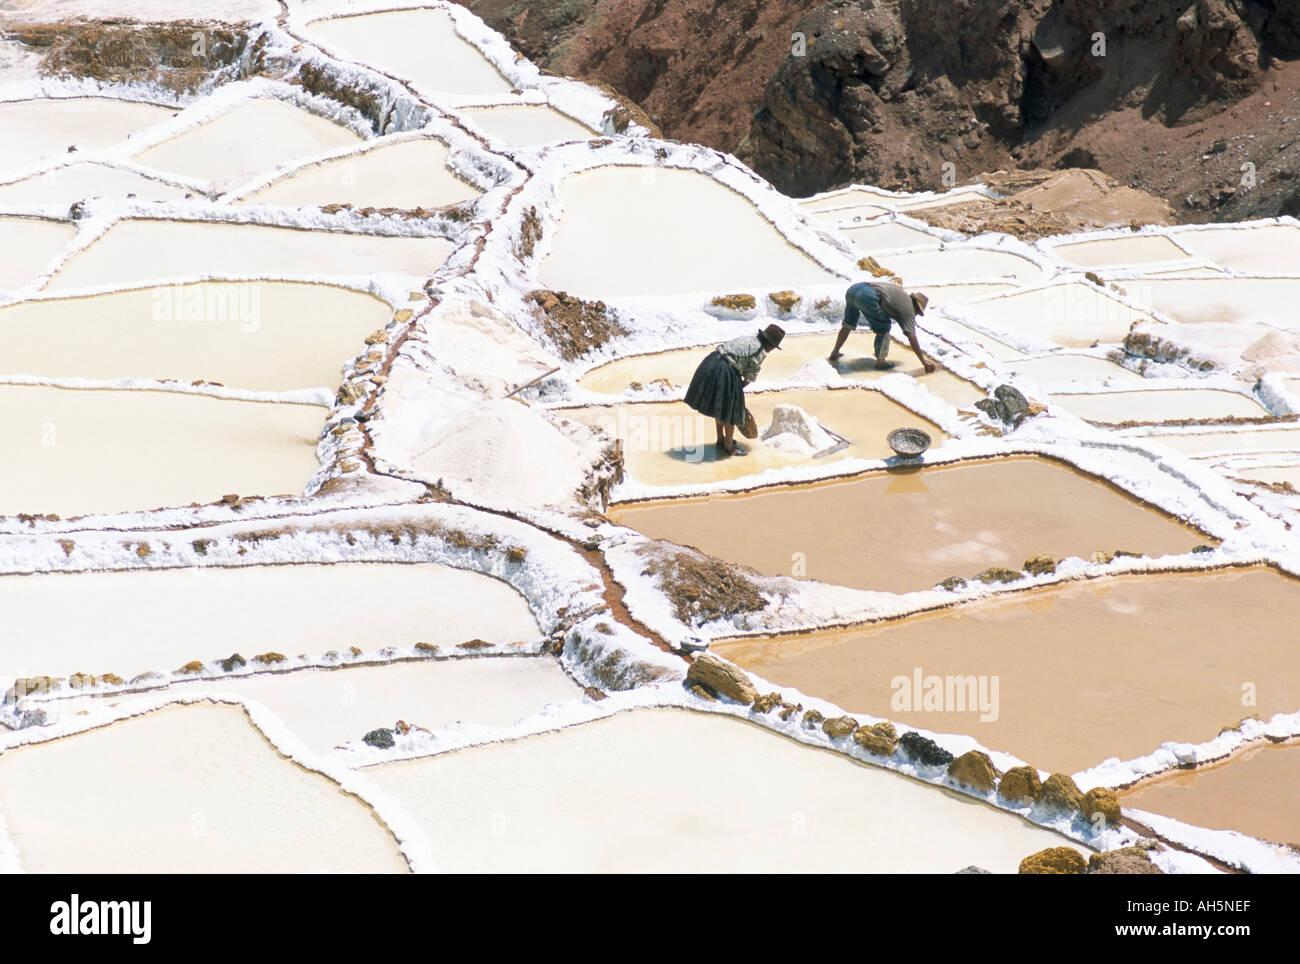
882 303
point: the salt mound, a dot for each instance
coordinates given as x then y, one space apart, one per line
503 453
1273 345
814 370
794 431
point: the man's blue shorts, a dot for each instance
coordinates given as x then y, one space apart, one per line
862 299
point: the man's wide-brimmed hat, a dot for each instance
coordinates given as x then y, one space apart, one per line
771 336
919 301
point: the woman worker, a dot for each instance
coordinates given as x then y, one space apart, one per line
717 387
882 303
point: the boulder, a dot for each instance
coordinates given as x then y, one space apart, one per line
812 719
998 574
839 726
1020 785
725 679
767 703
381 738
877 739
972 869
1100 800
1126 860
924 750
1040 565
232 662
1059 792
974 769
1054 860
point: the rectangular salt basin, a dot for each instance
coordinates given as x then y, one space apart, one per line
326 708
187 789
1073 315
1120 251
1071 675
58 624
849 198
79 451
32 129
1272 475
253 137
1253 792
656 791
1063 368
1200 300
1165 405
29 246
1252 440
666 443
882 237
843 217
527 125
648 230
960 264
1264 248
138 251
798 354
257 335
996 349
404 175
908 529
64 185
419 45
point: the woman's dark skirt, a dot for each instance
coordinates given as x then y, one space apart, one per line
716 391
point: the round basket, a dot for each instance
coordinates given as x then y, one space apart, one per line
909 443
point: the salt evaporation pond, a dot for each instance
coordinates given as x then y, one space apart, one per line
404 175
32 129
1064 368
76 182
619 221
326 708
48 11
1138 249
1263 248
1253 792
222 149
882 237
1271 474
420 45
527 125
1202 300
57 624
796 352
78 451
840 217
261 335
997 350
1084 672
848 198
141 250
193 789
1163 405
1200 444
673 791
909 529
1073 315
29 246
961 264
665 443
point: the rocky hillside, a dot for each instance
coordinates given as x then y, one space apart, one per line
1195 101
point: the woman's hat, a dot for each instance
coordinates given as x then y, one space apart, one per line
771 336
919 301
